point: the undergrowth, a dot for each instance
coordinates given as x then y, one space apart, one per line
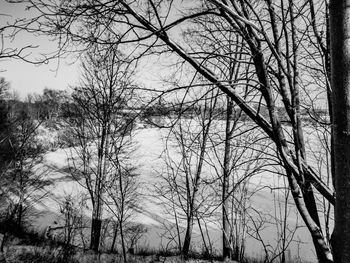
28 246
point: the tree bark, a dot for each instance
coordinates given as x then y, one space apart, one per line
188 235
226 244
20 215
311 206
95 234
114 238
99 189
340 79
121 229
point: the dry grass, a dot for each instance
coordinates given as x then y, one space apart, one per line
48 254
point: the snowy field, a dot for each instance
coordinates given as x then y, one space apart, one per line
149 162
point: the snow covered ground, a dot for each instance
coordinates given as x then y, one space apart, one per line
147 159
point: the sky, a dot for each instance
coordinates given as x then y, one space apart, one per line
26 78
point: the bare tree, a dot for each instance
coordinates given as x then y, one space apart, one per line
105 91
25 180
182 187
123 195
276 39
71 210
249 156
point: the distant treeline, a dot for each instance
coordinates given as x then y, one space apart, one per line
58 104
219 113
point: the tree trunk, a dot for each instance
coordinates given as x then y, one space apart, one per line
99 188
123 241
95 234
226 246
177 225
340 79
188 235
20 215
311 206
208 253
196 182
114 237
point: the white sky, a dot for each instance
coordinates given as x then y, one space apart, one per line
28 78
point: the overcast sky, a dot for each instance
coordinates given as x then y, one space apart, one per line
28 78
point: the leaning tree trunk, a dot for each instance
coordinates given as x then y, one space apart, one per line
340 79
114 238
300 151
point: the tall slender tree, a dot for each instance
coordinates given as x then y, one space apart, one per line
340 75
105 90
